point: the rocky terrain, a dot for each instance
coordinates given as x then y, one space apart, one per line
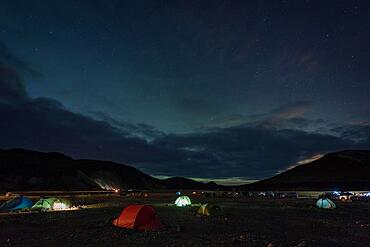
247 222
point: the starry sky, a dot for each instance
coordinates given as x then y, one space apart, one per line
225 90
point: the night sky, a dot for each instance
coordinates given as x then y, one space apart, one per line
225 90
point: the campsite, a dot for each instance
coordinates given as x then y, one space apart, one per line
185 123
260 221
136 209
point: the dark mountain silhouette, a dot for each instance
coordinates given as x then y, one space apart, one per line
188 184
22 169
344 170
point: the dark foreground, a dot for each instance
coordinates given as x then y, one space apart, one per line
248 222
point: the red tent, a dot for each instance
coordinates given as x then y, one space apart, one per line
139 217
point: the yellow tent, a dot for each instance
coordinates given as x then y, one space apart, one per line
210 209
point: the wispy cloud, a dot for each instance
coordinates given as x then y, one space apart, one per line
289 114
305 160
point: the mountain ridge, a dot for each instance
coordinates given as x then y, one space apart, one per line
342 170
23 169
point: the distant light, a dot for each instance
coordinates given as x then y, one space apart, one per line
116 190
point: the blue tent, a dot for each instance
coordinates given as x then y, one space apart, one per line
15 204
325 203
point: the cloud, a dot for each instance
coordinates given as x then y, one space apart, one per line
228 181
140 130
290 115
252 147
305 160
254 151
45 124
291 110
11 86
7 57
358 132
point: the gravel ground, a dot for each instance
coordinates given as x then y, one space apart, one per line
247 222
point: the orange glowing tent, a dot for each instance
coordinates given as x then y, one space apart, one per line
138 217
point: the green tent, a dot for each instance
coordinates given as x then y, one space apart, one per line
325 203
183 201
210 209
52 203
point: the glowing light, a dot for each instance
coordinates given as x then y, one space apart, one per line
183 201
302 162
310 159
60 206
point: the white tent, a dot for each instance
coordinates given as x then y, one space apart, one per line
183 201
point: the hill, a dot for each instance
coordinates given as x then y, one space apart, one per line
344 170
30 170
188 184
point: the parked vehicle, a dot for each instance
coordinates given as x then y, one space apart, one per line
286 194
346 196
292 195
289 195
270 194
363 197
262 193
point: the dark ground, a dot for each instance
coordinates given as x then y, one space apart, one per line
248 222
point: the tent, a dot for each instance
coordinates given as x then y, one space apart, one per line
139 217
51 203
210 209
62 204
325 203
183 201
16 204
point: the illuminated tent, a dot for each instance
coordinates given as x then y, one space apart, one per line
183 201
210 209
51 203
16 204
138 217
325 203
